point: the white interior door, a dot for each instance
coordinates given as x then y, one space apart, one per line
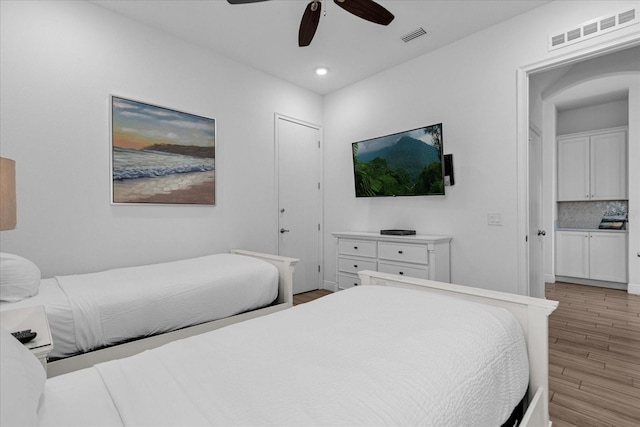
536 231
299 199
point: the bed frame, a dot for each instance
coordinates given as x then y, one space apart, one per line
284 300
532 314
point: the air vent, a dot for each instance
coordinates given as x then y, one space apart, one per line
607 23
593 28
590 28
574 34
627 16
413 35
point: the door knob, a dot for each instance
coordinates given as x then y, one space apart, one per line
282 230
542 233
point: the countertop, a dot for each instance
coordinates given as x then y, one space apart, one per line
591 230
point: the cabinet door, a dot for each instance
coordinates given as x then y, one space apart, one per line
608 256
573 169
572 254
608 163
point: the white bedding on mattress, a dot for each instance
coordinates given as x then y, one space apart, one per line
78 399
90 311
365 356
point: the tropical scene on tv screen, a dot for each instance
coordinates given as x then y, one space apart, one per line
403 164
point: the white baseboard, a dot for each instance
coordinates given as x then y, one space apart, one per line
633 288
549 278
330 286
600 283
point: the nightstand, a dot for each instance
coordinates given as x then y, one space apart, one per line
34 318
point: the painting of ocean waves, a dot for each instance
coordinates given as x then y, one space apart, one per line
133 164
161 156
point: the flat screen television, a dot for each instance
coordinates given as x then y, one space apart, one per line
408 163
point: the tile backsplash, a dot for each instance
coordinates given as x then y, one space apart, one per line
588 214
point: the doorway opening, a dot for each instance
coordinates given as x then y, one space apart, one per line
534 272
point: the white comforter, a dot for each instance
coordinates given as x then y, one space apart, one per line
366 356
115 305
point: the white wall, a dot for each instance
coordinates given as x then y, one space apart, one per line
594 117
469 86
60 62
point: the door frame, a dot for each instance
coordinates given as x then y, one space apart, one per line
277 117
522 136
534 237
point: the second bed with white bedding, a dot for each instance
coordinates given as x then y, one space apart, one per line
365 356
91 311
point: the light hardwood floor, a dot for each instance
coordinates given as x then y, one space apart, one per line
309 296
594 355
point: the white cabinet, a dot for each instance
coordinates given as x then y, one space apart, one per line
573 169
608 256
597 255
593 166
421 256
572 254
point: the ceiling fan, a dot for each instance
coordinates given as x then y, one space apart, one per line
365 9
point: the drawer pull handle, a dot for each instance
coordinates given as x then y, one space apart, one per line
355 284
355 247
399 252
401 273
355 265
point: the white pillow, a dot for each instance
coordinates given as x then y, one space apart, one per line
19 278
22 384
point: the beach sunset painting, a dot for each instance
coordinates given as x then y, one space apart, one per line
160 155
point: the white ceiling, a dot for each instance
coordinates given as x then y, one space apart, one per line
265 35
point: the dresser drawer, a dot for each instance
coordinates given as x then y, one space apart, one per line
404 269
364 248
403 252
346 281
353 265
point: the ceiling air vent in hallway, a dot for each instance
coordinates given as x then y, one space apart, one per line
594 27
414 34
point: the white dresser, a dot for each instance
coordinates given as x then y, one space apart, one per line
422 256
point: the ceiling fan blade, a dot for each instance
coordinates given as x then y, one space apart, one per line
367 9
309 23
244 1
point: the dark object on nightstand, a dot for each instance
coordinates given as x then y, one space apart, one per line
24 336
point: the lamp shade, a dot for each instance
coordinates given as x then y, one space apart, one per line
7 194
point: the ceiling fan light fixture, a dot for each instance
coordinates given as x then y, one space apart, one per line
322 71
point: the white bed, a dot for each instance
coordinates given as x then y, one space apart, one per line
371 355
97 311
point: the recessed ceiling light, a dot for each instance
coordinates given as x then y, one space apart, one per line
322 71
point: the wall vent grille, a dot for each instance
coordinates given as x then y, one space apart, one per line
413 35
594 28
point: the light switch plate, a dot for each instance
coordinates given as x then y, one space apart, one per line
494 218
